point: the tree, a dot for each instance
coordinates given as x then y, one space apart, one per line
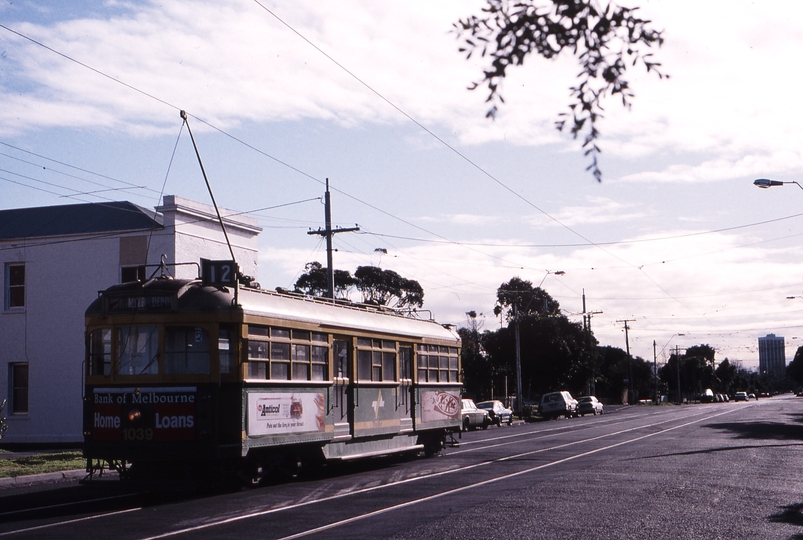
726 374
696 371
314 282
795 368
387 288
477 370
554 350
605 38
528 298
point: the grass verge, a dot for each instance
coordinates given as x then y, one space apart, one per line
41 463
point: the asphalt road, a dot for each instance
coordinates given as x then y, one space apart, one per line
725 470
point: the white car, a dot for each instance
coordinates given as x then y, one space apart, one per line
589 405
473 417
557 404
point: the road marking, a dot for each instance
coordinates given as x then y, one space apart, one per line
484 482
75 503
341 494
51 525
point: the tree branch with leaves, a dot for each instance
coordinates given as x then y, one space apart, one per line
605 38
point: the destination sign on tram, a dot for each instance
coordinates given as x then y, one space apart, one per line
139 302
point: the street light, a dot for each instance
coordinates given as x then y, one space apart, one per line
558 273
766 183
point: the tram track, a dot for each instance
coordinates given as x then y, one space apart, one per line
210 525
469 476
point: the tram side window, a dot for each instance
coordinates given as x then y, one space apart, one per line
438 363
100 352
282 354
454 364
186 350
138 350
423 361
258 356
376 360
320 363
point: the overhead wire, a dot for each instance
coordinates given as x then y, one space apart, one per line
524 199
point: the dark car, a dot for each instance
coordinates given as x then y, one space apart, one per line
589 405
497 412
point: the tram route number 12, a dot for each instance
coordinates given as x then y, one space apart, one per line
219 273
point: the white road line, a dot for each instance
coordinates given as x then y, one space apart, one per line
484 482
51 525
75 503
441 473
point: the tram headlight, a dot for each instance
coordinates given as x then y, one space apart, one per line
134 415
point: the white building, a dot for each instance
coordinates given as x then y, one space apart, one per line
772 356
55 259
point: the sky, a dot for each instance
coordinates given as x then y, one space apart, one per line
374 96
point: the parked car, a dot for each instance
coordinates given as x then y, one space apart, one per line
740 396
497 412
589 405
751 396
557 404
473 417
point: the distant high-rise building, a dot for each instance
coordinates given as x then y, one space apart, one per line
772 355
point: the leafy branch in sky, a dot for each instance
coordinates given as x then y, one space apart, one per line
605 39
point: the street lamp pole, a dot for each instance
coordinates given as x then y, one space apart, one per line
766 183
558 273
519 396
656 360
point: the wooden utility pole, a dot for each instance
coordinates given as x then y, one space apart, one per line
328 232
629 362
592 390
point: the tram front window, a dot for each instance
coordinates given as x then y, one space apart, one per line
186 350
138 350
100 351
225 352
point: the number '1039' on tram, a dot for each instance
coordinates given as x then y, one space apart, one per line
179 373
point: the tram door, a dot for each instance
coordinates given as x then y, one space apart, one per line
341 389
406 403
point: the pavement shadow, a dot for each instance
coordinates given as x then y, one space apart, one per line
776 431
790 515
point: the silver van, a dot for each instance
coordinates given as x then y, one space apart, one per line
557 404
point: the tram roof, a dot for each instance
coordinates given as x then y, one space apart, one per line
333 316
192 296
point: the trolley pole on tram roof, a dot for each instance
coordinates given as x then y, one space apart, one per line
328 232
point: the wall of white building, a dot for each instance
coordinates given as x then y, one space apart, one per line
63 275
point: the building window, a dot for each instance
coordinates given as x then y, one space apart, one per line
132 273
15 286
18 378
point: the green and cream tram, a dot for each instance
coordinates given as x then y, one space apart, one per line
182 373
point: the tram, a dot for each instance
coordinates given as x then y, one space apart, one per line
191 374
